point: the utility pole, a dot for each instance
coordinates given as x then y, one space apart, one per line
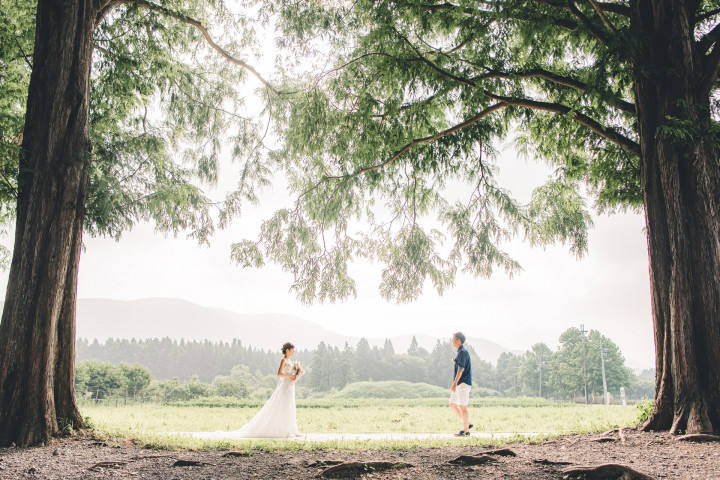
582 333
602 363
540 360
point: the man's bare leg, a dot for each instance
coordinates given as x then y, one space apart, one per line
462 412
464 416
455 408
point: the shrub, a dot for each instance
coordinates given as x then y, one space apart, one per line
229 388
391 389
645 409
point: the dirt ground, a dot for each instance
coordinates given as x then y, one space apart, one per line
657 455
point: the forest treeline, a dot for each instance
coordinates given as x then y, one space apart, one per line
181 370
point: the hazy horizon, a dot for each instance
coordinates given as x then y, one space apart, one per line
157 317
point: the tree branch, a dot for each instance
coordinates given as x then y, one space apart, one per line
103 7
429 138
536 72
707 15
587 23
612 28
585 120
711 64
408 106
432 65
623 105
459 46
616 8
206 34
25 56
446 6
603 17
558 22
709 39
407 147
560 5
105 51
581 118
371 54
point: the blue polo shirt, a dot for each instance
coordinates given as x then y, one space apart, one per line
462 360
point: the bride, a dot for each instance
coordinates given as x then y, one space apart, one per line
276 419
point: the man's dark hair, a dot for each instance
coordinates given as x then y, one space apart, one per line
460 337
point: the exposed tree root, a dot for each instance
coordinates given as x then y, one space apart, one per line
608 471
236 453
698 438
472 460
325 463
107 464
351 469
545 461
189 463
503 452
144 457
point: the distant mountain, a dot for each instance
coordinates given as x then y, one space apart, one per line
167 317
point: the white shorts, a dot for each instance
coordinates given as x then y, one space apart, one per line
461 395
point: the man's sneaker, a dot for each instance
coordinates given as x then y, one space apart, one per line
470 426
462 433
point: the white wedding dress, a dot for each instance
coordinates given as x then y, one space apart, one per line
276 419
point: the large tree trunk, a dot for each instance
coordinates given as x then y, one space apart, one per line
66 408
38 322
681 190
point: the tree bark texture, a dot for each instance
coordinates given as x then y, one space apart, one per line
37 332
681 192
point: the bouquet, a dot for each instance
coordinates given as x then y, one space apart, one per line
297 369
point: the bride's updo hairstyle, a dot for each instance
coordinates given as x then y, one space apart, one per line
287 346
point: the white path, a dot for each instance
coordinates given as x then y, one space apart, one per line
331 437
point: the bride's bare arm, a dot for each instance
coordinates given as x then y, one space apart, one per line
280 371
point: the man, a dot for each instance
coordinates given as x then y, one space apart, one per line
460 389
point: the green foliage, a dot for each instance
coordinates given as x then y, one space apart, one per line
232 370
395 138
164 105
137 377
534 369
101 379
168 359
508 365
390 389
229 388
16 47
645 409
172 390
641 387
65 425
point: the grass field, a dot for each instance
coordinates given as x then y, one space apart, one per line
150 423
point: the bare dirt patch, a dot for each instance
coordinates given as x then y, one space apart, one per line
656 455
